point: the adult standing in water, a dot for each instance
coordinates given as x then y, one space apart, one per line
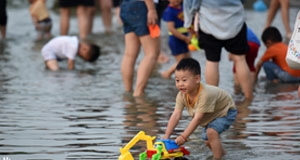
82 7
222 24
136 17
106 14
3 18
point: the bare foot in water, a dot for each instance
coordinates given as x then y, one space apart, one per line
162 58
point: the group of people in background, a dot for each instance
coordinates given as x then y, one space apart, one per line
85 11
219 24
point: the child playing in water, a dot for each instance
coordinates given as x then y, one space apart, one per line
67 47
277 69
41 19
178 35
210 107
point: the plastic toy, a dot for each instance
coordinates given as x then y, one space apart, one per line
193 46
162 149
154 31
260 6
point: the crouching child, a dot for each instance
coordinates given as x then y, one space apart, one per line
211 107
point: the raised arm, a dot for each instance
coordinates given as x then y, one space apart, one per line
180 140
173 121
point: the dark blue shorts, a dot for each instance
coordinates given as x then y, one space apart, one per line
177 46
134 17
220 124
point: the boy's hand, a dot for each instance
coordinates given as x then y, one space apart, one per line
165 137
180 140
188 39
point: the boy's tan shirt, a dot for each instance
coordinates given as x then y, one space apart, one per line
212 101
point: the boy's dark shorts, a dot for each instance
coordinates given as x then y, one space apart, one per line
74 3
237 45
220 124
134 17
177 46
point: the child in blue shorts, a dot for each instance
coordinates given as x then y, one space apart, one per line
211 107
178 35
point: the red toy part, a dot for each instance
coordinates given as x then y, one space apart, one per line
174 150
185 152
150 153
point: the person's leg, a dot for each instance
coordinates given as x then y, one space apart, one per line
243 75
106 6
285 76
151 49
48 30
90 13
237 87
215 143
117 12
274 6
64 20
284 8
168 73
299 91
269 68
3 31
3 18
82 21
52 65
212 73
132 47
163 57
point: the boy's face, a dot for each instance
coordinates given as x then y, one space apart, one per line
186 81
84 51
175 2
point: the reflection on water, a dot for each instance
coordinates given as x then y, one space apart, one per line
84 114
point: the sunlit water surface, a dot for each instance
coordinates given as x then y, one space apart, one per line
85 114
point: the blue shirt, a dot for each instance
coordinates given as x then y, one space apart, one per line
174 15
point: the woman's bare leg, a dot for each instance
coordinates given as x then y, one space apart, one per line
132 48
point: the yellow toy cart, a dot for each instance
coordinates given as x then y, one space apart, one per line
162 149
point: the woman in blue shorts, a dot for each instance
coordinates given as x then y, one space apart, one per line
136 17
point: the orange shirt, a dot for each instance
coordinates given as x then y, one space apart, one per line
277 52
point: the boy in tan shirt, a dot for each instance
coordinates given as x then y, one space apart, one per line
210 107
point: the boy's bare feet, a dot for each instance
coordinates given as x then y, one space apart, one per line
162 58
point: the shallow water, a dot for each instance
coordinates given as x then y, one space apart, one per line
85 114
